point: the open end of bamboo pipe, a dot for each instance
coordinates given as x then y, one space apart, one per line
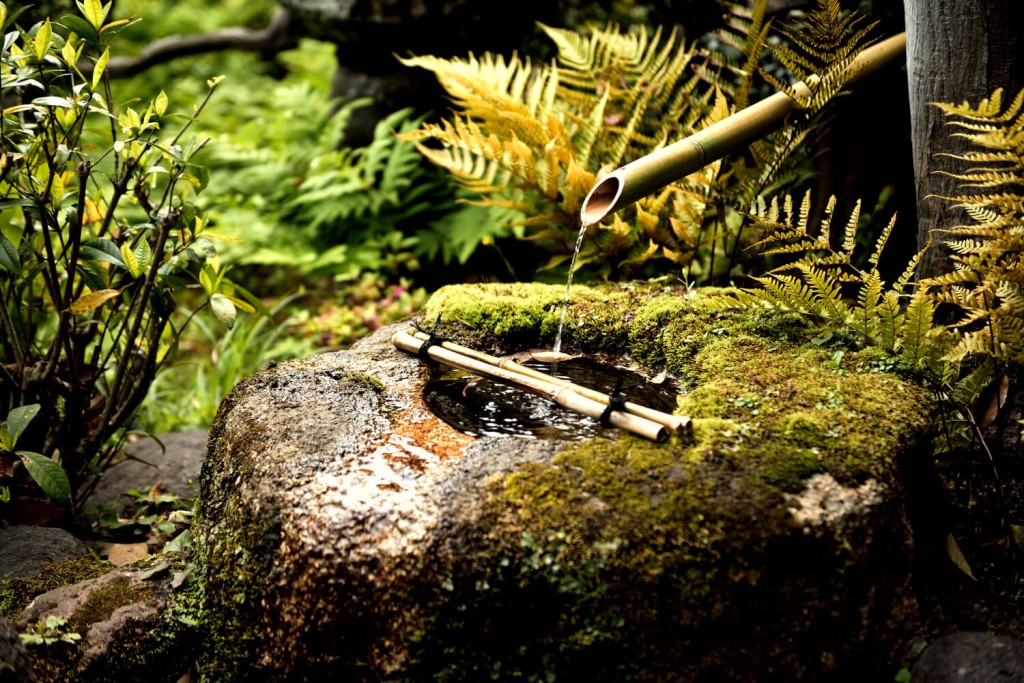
602 198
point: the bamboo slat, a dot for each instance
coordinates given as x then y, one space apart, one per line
675 423
565 394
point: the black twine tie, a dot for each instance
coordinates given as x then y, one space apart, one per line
433 339
616 401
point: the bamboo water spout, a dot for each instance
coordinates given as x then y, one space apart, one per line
650 173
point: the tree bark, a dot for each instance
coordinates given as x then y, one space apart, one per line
957 50
276 37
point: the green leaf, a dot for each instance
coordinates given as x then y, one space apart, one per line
9 258
80 26
241 304
93 278
42 40
49 475
160 103
178 543
224 310
155 570
18 419
130 262
69 54
115 27
197 176
94 12
143 255
207 280
52 101
101 65
103 250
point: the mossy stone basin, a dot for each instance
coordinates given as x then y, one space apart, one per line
343 530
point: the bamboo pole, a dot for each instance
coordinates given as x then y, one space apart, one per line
675 423
565 395
650 173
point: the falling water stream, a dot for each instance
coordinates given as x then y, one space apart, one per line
568 286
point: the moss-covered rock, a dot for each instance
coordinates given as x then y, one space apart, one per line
123 625
342 530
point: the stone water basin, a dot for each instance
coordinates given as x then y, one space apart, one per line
343 530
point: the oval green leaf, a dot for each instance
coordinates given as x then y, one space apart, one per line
9 258
224 310
101 66
18 419
81 27
49 475
130 261
103 250
44 36
94 11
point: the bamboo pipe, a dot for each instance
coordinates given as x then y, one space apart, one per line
650 173
675 423
564 395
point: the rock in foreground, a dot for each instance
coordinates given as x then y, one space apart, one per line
343 531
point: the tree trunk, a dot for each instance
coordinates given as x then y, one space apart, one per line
957 50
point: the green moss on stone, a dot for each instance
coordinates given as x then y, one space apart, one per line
102 602
17 593
525 315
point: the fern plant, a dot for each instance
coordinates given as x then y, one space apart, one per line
986 285
822 280
980 333
308 205
534 139
531 140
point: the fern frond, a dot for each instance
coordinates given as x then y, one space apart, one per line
1011 296
917 324
748 36
908 275
890 321
864 319
828 294
983 178
880 243
850 234
987 110
966 390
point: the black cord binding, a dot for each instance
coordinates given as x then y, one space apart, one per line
616 401
433 339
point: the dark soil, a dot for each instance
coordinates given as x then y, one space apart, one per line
969 569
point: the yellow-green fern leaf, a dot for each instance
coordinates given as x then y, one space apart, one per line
917 323
890 321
